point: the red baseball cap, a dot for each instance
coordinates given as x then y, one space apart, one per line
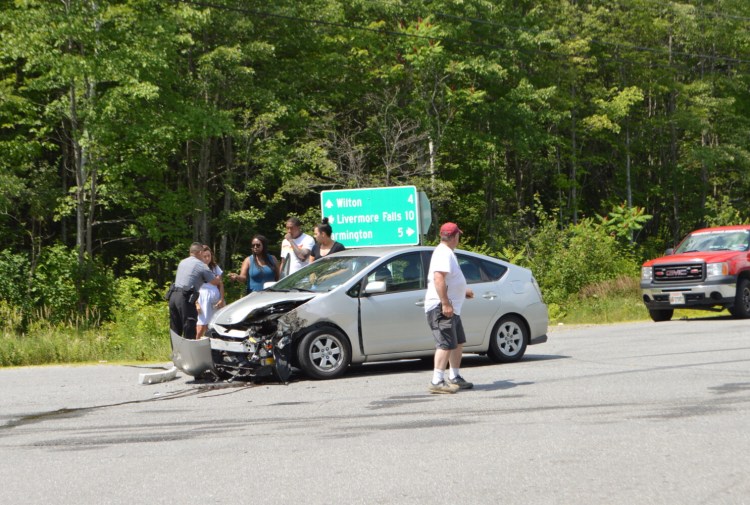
449 229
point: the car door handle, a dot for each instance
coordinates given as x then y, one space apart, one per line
420 303
489 295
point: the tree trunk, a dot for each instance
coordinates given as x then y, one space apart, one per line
573 162
202 231
80 166
705 142
228 182
673 154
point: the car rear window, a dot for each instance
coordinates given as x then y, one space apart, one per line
494 270
476 270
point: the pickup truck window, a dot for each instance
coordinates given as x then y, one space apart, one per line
715 241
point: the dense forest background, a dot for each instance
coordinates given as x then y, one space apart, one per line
130 128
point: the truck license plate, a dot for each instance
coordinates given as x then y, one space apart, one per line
676 298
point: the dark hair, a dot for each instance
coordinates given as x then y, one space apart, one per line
212 263
324 227
295 221
264 245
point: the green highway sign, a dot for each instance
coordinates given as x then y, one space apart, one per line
373 216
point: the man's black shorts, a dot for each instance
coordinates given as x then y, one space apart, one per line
447 331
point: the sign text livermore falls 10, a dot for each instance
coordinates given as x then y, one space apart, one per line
373 216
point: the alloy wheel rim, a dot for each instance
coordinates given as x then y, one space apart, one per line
509 337
325 353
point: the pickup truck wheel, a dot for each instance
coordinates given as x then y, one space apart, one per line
741 307
659 315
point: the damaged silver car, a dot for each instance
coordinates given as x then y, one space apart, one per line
360 306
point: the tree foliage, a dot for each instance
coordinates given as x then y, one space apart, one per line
130 128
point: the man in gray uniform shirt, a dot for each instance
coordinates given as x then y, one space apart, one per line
192 272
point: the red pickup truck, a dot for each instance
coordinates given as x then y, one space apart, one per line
709 270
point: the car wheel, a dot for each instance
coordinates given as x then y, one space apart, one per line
223 375
741 307
659 315
218 370
324 353
427 362
509 340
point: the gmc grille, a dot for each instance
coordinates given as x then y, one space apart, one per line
672 273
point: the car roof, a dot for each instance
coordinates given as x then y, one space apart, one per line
382 251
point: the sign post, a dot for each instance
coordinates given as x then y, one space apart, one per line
373 216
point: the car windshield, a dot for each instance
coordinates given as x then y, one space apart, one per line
324 274
727 240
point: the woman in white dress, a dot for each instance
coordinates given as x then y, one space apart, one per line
210 297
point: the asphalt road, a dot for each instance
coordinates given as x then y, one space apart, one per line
641 413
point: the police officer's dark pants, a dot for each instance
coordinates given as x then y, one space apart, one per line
183 316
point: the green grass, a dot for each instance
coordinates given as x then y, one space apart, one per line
141 332
613 301
614 309
68 345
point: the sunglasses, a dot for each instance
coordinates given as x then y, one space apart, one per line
256 245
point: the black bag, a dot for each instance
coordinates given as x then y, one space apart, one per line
169 292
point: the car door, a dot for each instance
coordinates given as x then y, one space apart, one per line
394 321
478 313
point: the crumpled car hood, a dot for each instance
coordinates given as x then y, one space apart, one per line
238 311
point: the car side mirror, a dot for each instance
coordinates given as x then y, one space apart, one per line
375 287
669 252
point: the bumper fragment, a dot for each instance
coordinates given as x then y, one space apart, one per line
192 356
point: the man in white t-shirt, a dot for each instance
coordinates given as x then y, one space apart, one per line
295 248
446 292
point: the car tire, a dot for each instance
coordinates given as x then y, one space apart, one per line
218 370
324 353
659 315
508 340
741 308
223 375
427 362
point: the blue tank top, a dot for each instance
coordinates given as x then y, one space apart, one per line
260 275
